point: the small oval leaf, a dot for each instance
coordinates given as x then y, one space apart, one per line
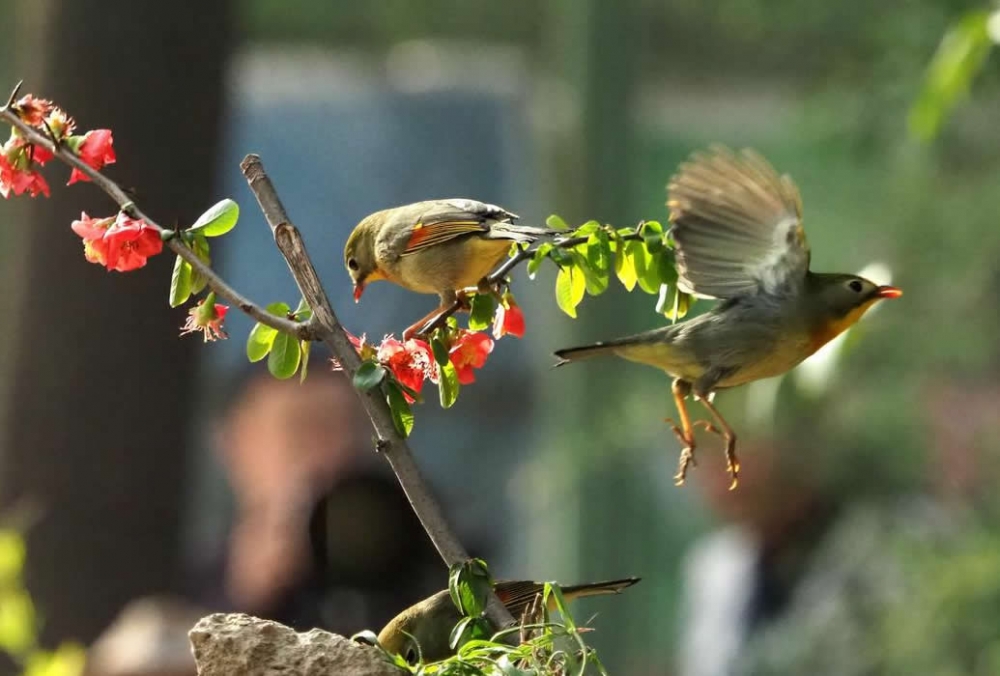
625 266
448 385
369 375
218 220
440 352
260 341
402 416
556 222
283 360
484 305
180 282
564 291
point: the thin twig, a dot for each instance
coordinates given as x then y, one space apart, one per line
327 328
498 276
34 136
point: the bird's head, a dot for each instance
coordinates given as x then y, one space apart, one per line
422 631
359 254
838 301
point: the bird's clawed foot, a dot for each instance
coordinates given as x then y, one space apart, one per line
726 432
687 459
732 462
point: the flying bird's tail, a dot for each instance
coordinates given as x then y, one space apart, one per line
584 352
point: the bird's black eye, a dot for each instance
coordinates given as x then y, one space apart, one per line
855 286
411 655
352 263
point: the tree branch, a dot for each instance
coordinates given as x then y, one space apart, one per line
498 276
125 203
323 326
327 328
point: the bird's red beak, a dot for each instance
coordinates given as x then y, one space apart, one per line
359 289
885 292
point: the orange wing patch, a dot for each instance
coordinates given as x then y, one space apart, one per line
428 234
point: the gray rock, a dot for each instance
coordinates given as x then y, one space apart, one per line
228 644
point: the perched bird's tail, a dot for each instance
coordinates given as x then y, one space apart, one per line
518 595
579 591
520 233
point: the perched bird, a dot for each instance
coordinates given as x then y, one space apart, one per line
438 246
737 226
423 630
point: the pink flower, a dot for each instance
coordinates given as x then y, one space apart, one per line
121 243
92 230
18 174
469 351
207 316
130 242
411 362
96 151
509 318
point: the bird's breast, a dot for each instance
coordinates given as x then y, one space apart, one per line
449 266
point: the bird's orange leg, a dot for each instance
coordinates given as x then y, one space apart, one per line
684 432
732 462
417 328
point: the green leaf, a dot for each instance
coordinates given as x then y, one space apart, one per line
68 659
448 385
959 58
470 584
302 311
12 554
645 267
536 261
561 606
561 256
556 222
218 220
262 337
440 352
666 267
588 228
652 235
599 260
283 360
469 629
370 374
278 309
682 304
624 265
305 346
201 249
402 416
673 303
180 282
481 313
260 341
17 622
571 285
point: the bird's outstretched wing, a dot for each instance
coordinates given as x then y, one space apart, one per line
737 225
437 221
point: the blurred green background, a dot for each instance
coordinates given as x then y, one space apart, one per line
582 108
